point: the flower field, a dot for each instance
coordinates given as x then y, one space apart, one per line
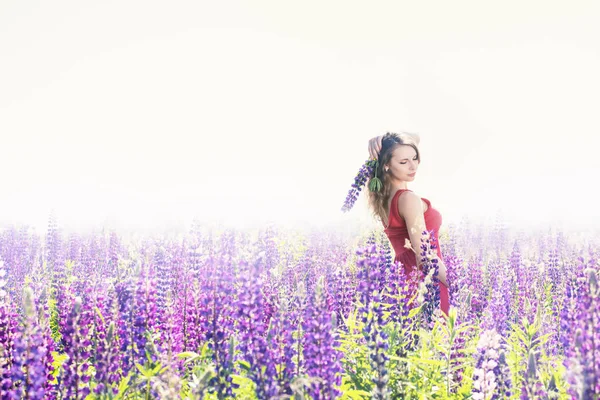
278 314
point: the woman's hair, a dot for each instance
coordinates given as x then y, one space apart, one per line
378 200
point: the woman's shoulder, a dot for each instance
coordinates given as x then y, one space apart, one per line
409 200
406 194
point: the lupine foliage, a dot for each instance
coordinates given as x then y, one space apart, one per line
280 314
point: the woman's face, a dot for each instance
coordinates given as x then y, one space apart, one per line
403 163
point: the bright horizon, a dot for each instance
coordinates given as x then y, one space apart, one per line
134 114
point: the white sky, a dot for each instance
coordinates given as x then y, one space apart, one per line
142 113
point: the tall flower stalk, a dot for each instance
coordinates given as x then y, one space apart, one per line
584 360
252 331
75 324
322 360
29 373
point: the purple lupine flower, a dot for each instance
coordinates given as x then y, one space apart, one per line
283 350
105 348
375 273
584 352
293 312
13 251
180 277
455 268
377 342
252 331
271 290
491 374
8 328
457 349
90 257
75 317
216 312
181 302
138 316
532 386
343 291
54 258
131 345
195 261
570 313
148 317
499 306
516 264
371 277
322 360
396 288
226 246
476 287
74 252
554 269
114 249
171 338
429 293
398 296
29 373
163 273
50 390
195 321
267 243
363 175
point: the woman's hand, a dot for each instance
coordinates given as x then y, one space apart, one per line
375 147
375 143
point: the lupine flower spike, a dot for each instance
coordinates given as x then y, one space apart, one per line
365 173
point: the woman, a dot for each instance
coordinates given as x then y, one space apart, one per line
403 213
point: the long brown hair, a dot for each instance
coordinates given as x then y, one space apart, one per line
378 200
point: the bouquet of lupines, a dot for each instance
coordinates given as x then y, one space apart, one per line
368 171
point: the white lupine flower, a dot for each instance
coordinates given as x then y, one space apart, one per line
427 279
492 353
483 341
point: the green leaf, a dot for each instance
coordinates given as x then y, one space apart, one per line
123 386
188 354
244 364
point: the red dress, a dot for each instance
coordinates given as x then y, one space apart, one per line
397 233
